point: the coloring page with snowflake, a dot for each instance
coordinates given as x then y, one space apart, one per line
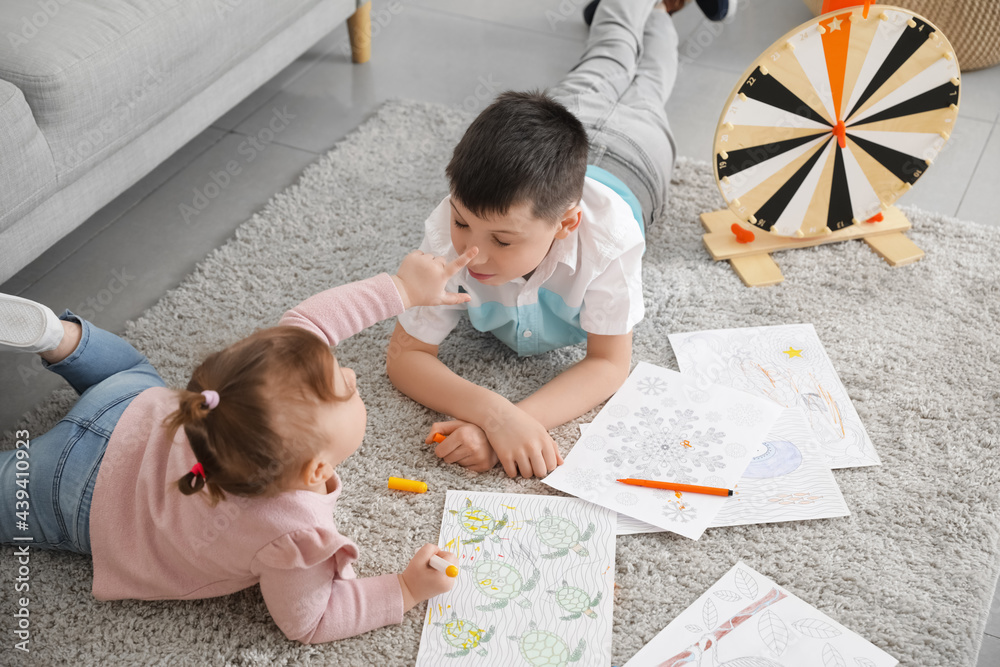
664 426
747 620
535 584
787 364
787 480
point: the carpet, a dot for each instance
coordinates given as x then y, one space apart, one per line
912 569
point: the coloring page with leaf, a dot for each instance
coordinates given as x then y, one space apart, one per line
535 584
664 426
747 620
787 480
788 365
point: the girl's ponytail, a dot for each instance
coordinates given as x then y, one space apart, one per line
192 413
255 439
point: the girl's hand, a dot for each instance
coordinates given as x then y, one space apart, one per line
521 443
419 581
466 445
421 279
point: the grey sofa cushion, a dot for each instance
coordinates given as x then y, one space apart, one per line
27 173
97 73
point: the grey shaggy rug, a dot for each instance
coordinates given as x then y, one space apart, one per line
912 569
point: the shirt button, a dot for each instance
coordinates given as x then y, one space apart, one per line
527 334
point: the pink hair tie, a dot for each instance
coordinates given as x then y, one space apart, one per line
197 470
211 399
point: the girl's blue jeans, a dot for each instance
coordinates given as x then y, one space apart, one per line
62 464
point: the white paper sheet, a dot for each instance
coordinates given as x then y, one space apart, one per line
536 575
787 364
787 480
747 620
664 426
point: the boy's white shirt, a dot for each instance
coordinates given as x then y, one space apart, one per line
596 271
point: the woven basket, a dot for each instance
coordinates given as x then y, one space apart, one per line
972 26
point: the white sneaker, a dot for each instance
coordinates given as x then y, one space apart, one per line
27 326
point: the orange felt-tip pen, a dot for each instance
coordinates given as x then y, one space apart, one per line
441 565
438 437
400 484
674 486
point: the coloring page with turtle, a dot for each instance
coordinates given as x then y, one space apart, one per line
747 620
787 480
787 364
665 426
535 584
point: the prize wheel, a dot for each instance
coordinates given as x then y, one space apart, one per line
836 120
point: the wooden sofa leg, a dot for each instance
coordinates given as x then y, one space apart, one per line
359 28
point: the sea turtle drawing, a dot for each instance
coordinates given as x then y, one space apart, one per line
545 649
576 601
478 523
561 534
502 582
465 636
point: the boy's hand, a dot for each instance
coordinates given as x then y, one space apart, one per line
421 279
521 443
419 581
466 445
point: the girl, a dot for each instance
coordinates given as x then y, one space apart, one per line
206 491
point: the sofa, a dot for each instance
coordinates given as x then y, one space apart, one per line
95 93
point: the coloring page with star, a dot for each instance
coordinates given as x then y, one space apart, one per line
788 365
667 427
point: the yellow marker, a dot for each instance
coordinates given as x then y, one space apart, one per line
441 565
400 484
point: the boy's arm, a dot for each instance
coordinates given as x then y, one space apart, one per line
520 441
584 385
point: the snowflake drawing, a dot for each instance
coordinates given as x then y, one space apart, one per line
587 478
626 498
651 386
671 446
744 414
617 410
713 416
668 401
681 514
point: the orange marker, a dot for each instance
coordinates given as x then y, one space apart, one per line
441 565
400 484
674 486
438 437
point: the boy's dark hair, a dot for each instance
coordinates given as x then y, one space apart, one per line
524 147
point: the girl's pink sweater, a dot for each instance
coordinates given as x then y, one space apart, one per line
150 542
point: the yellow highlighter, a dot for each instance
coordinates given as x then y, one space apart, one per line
441 565
400 484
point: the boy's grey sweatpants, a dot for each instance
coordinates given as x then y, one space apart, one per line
619 91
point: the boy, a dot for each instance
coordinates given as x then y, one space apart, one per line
555 192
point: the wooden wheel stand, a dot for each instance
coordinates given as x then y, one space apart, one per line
752 261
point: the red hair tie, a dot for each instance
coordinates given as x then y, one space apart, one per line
197 470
